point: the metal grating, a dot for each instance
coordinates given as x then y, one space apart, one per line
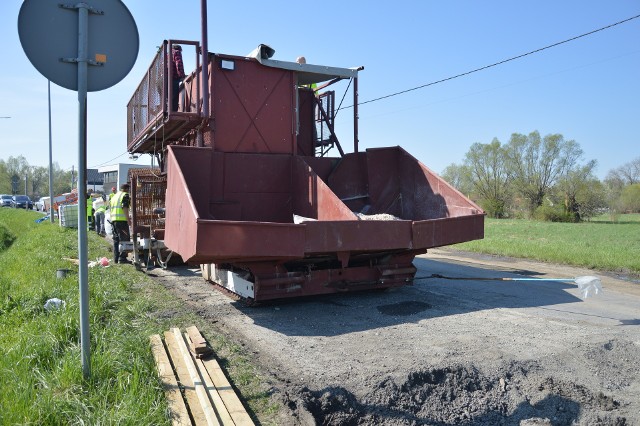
148 192
146 103
324 137
148 116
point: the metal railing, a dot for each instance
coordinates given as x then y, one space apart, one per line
149 105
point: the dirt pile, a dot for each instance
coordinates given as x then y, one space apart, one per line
462 395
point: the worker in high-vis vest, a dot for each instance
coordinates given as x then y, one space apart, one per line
90 222
111 194
119 211
99 208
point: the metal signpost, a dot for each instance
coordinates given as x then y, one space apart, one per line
14 184
50 156
86 46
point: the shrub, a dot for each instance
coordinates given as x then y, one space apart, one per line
494 208
6 238
555 213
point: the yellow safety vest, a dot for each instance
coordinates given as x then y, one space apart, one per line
115 206
101 209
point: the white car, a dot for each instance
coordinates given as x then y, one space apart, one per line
5 200
41 204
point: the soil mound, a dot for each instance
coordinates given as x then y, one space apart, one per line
462 395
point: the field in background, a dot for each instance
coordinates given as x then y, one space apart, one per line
598 244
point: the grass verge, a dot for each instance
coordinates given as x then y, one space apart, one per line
40 368
599 244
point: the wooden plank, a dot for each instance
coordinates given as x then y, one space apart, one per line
231 401
218 404
177 409
198 343
201 392
185 378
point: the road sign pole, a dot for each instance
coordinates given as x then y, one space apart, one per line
50 157
109 44
83 256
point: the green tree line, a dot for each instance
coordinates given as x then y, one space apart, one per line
543 177
37 178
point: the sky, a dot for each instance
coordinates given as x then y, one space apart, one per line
588 90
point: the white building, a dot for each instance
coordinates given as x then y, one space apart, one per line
117 174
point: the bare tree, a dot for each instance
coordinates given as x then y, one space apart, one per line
627 174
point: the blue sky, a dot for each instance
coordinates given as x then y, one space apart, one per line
588 90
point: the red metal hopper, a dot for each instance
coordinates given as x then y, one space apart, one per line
252 196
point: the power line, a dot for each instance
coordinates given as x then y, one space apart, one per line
499 63
108 161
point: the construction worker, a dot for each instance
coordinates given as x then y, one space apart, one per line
100 208
178 75
303 61
113 192
119 211
90 222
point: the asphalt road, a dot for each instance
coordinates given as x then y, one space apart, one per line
444 351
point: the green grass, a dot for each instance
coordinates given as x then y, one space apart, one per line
600 244
40 368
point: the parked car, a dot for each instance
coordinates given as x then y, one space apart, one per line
5 200
21 202
42 204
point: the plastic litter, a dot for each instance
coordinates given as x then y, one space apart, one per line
589 285
54 304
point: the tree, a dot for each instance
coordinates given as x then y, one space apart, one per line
37 177
535 164
630 198
61 180
627 174
486 165
592 199
574 185
581 194
19 167
39 181
5 179
617 182
459 177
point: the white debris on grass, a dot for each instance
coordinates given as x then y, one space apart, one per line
54 304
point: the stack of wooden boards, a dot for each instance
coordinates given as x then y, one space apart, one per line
197 389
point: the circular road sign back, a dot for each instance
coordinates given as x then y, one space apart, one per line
48 32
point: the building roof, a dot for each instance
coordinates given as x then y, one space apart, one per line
94 177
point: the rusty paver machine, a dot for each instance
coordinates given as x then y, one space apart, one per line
253 196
